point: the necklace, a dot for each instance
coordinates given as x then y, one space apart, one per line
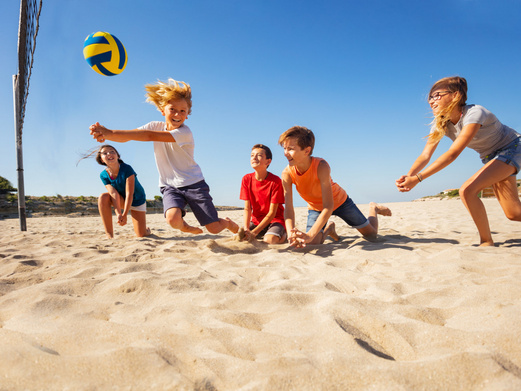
112 174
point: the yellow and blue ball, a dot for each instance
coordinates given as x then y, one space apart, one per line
105 53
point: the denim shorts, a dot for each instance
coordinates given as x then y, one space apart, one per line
348 212
197 196
510 154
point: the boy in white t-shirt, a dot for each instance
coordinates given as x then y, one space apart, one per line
180 178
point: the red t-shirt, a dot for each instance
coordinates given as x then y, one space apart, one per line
261 194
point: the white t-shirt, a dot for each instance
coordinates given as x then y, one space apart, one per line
491 136
175 161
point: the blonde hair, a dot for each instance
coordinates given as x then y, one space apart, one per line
304 136
452 84
161 93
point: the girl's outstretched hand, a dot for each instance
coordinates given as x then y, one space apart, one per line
406 183
399 183
400 180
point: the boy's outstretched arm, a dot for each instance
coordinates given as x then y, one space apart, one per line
324 177
289 211
101 133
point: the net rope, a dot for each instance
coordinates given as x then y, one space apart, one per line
29 24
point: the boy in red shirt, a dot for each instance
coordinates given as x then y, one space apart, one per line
263 198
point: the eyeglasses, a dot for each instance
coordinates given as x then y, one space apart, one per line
109 153
438 95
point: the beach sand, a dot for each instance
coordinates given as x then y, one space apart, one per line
422 308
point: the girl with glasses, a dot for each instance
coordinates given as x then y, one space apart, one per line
475 127
124 193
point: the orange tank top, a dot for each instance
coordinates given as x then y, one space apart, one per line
308 186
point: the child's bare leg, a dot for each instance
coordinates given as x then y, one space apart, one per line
174 217
508 197
370 231
274 239
139 220
221 224
497 174
105 211
330 231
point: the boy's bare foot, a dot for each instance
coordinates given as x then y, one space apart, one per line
330 231
191 230
232 226
381 209
487 244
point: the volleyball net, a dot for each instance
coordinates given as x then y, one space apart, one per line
27 31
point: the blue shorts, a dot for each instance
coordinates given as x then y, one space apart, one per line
510 154
348 212
197 196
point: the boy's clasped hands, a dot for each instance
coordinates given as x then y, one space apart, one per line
297 238
96 131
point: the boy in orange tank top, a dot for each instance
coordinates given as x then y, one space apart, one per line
312 179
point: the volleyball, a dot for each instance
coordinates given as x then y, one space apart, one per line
105 53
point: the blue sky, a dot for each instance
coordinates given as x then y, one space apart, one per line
355 72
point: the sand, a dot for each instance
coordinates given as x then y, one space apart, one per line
422 308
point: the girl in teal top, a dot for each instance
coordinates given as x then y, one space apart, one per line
125 193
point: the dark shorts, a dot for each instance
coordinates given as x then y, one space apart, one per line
276 229
197 196
348 212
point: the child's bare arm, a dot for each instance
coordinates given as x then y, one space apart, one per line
116 198
247 214
289 212
324 176
101 133
129 196
266 220
462 141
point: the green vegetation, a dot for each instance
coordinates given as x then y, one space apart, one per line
6 186
12 198
453 193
